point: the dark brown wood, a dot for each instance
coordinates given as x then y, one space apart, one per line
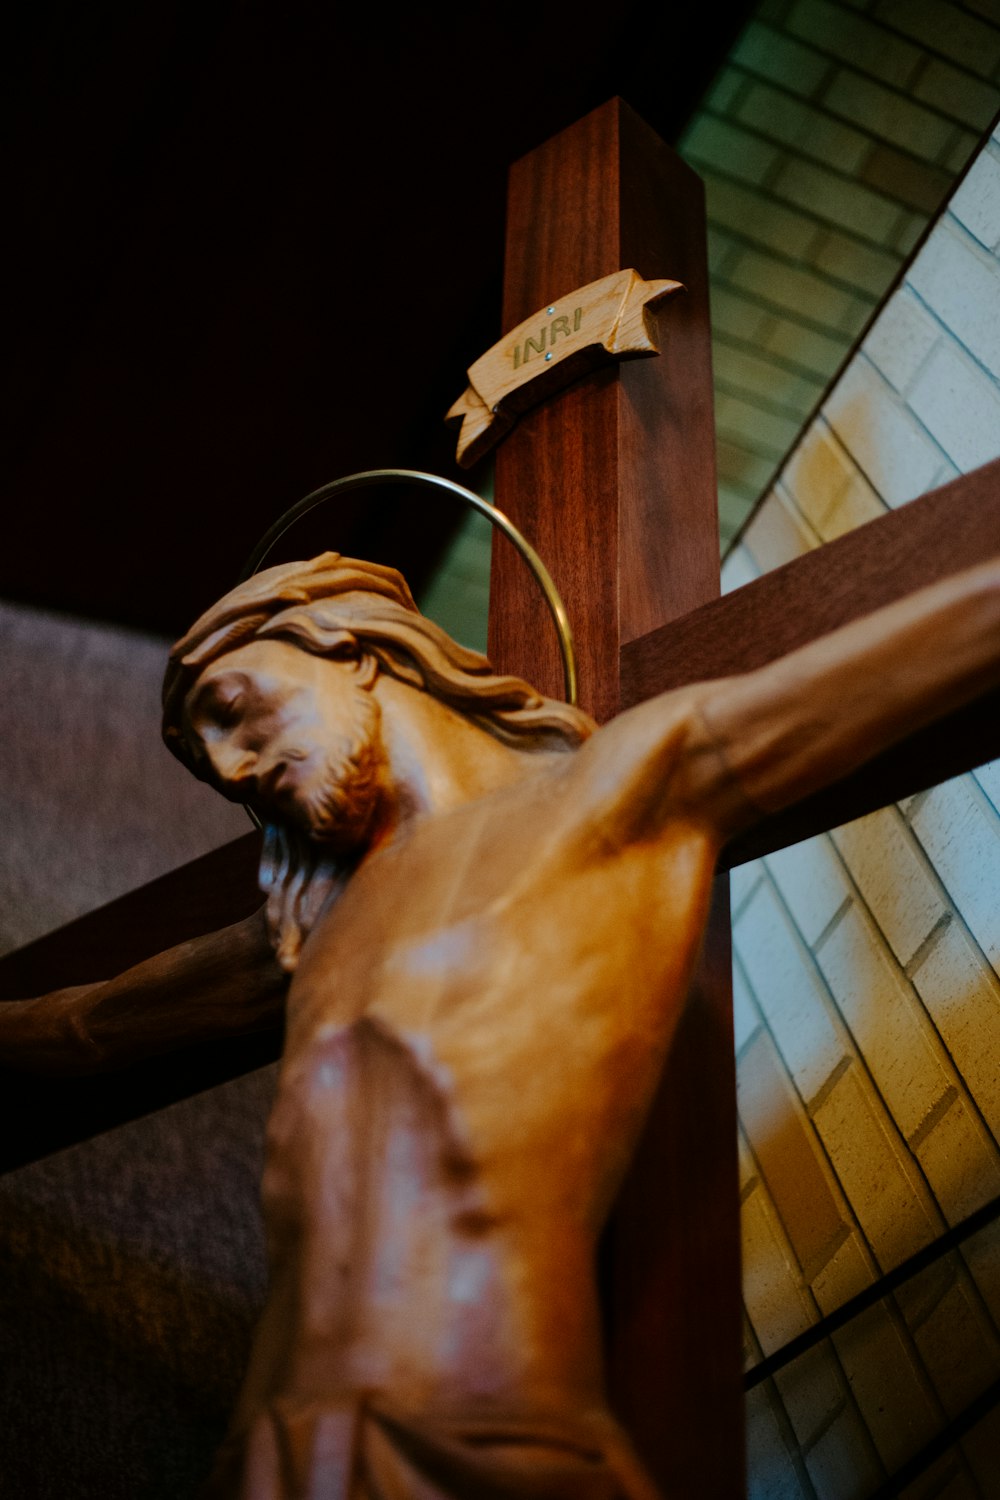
648 1252
614 479
614 482
41 1115
939 534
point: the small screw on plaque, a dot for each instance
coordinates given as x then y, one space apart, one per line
549 355
550 309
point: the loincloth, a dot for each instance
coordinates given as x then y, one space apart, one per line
367 1450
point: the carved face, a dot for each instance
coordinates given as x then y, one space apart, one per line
295 735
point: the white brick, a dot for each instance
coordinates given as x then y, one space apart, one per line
739 568
901 339
746 1018
962 996
771 1472
960 1162
888 1384
843 1461
962 287
988 777
977 202
894 880
817 473
811 879
857 505
776 1302
981 1253
895 454
879 1008
961 833
960 1350
812 1389
845 1274
743 880
959 406
778 532
875 1172
788 991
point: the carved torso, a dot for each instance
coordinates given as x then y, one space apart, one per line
474 1032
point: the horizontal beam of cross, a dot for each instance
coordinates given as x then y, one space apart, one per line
940 533
937 535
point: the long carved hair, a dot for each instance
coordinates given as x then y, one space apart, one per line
328 606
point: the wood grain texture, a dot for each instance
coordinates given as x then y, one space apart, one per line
934 536
613 480
701 1452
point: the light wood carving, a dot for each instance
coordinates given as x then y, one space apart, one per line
606 320
489 912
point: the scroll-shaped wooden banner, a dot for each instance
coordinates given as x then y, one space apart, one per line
604 321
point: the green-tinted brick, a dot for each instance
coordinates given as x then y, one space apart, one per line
918 184
971 43
742 211
967 99
767 434
716 143
887 114
864 267
737 369
798 290
840 203
803 346
855 40
736 316
728 85
766 52
742 469
960 148
813 133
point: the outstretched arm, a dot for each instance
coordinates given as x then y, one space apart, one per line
222 984
795 726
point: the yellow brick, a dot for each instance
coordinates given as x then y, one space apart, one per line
962 996
960 1161
888 1025
844 1276
858 505
959 1348
889 1385
817 474
960 831
893 878
875 1171
778 532
776 1303
812 1390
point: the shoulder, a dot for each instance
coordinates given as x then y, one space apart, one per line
656 763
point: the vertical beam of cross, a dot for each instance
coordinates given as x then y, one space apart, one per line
614 482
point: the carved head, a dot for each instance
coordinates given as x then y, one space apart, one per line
269 698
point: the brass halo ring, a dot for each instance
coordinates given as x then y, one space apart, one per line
371 477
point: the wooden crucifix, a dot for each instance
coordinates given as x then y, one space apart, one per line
614 480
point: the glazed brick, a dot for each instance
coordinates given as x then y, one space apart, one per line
959 406
788 991
777 533
812 882
789 1156
962 996
901 339
960 1161
878 1005
960 831
875 1171
776 1303
888 443
893 878
961 285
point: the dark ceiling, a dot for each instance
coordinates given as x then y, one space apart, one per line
254 248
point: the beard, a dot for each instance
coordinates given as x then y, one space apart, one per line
340 811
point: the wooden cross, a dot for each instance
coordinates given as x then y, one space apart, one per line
614 482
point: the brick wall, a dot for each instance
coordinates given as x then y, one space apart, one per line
867 994
829 140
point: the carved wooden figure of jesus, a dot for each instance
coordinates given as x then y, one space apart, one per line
489 912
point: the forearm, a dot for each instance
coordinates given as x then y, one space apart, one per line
222 984
810 718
